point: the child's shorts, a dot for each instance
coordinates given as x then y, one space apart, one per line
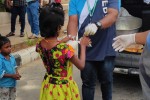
7 93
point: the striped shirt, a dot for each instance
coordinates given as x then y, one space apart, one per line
19 2
102 40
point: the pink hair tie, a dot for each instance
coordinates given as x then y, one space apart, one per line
58 1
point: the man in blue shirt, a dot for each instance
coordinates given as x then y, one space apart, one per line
96 18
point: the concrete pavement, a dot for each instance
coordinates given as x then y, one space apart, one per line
20 48
5 28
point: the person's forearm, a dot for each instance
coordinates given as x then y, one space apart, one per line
72 27
8 75
110 18
82 56
79 62
140 38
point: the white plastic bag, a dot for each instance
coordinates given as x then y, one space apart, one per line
74 44
147 1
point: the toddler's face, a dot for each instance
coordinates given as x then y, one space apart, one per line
6 48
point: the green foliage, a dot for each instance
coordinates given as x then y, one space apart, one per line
31 42
2 7
1 1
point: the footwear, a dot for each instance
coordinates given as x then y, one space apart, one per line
33 37
10 34
22 34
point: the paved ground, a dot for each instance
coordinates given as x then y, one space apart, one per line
5 29
125 87
18 42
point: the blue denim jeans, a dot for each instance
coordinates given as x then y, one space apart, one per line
101 70
33 17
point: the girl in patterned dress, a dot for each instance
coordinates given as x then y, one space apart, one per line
58 57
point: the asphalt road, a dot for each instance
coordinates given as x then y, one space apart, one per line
125 87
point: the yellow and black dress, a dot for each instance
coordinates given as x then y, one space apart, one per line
58 83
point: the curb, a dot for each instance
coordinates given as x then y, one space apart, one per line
25 56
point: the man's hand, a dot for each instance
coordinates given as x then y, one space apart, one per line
123 41
90 29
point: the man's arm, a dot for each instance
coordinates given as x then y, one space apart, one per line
106 22
72 27
110 18
140 38
123 41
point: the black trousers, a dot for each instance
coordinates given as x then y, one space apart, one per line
18 10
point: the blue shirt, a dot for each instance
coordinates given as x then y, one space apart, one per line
7 67
148 41
102 40
145 68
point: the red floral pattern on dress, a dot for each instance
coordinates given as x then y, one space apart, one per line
70 78
51 93
54 86
77 95
58 94
46 86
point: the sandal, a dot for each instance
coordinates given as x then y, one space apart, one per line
32 37
10 34
21 34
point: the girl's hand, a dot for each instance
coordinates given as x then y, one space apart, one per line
85 41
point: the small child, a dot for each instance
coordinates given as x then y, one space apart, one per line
58 57
8 71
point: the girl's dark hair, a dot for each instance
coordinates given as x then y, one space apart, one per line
51 19
3 40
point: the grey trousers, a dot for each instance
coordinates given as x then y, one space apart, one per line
7 93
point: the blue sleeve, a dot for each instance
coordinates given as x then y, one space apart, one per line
148 40
2 71
114 4
72 7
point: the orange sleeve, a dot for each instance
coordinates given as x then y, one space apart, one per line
69 51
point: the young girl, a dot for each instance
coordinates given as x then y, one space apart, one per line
8 71
58 83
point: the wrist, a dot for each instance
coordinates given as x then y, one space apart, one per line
71 37
133 38
98 24
83 46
